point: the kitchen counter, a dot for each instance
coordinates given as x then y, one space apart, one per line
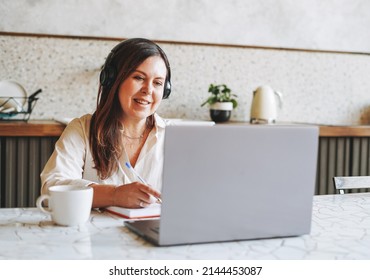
344 131
340 230
331 130
53 128
31 128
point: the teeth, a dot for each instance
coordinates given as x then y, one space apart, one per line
144 102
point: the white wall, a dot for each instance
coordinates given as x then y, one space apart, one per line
340 25
318 87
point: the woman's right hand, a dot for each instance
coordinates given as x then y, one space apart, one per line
134 195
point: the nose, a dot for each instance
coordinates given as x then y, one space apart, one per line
147 88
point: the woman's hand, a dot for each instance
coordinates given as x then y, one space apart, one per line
134 195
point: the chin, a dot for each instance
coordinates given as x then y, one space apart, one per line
141 115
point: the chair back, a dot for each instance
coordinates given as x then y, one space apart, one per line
351 182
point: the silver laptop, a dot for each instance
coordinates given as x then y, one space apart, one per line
234 182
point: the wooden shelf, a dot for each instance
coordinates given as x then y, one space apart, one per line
53 128
31 128
345 131
327 130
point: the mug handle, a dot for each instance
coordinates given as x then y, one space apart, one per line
39 201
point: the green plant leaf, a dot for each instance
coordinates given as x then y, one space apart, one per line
220 93
235 103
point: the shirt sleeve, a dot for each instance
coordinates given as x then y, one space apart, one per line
66 164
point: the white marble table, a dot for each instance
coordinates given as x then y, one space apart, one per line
340 230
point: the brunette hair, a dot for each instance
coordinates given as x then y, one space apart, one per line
105 140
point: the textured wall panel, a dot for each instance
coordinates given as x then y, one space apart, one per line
341 156
22 160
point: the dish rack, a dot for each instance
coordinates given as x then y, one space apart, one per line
22 109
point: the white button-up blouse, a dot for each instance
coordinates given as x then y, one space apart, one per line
71 162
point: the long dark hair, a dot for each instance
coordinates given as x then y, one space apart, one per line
105 140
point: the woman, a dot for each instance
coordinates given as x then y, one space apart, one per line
124 132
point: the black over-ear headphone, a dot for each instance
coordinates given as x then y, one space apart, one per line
109 72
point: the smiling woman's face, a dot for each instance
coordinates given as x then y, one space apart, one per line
141 93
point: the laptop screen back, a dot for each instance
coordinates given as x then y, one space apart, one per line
234 182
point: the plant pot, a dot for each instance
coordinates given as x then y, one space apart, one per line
221 111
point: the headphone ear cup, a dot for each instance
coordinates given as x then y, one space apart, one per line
107 76
167 90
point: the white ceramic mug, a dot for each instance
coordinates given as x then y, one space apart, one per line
68 205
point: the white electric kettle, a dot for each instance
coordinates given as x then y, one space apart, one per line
265 105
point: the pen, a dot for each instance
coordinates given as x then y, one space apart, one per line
140 178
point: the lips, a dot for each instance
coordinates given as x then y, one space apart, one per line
142 101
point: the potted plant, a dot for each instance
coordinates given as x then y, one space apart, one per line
221 102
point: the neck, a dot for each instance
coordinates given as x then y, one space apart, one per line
134 128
